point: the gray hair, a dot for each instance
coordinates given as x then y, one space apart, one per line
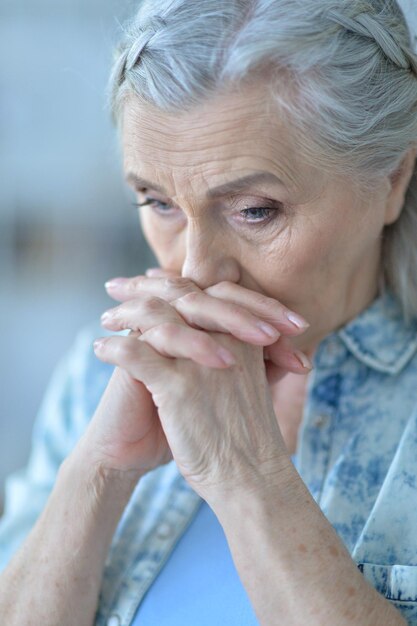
344 71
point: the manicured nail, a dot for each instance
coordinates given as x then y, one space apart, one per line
99 344
226 356
106 317
154 271
297 320
303 359
268 329
114 283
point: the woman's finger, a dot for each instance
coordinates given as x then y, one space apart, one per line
287 321
167 340
213 314
140 314
168 288
172 288
171 335
138 359
283 355
198 310
177 339
174 340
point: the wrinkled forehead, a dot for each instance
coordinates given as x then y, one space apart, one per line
235 133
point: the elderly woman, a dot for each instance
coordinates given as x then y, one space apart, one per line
252 457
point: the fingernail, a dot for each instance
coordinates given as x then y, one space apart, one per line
303 359
154 271
226 356
268 329
114 283
297 320
99 344
106 317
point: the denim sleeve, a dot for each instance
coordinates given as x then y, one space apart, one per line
62 419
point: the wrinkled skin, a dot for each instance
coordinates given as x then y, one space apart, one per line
319 255
308 242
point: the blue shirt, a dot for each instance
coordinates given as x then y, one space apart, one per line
199 583
356 453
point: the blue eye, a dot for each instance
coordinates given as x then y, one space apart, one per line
251 215
156 205
257 214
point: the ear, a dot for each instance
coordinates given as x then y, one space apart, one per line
399 182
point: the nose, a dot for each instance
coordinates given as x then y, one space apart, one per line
208 259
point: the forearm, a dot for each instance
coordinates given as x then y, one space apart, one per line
292 563
55 577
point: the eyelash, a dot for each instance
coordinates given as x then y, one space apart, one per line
273 210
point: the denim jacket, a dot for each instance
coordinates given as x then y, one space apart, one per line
356 452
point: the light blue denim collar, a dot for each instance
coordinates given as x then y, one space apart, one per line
378 337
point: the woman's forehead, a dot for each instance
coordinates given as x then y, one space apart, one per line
235 132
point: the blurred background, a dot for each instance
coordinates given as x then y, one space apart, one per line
66 220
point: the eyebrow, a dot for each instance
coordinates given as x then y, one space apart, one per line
234 186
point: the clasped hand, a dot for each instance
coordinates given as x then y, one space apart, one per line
193 380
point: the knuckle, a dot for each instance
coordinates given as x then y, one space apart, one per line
152 304
265 301
235 310
189 298
168 329
175 282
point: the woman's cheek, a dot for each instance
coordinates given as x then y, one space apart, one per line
298 270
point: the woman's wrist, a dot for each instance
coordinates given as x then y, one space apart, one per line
275 484
283 546
55 576
86 468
